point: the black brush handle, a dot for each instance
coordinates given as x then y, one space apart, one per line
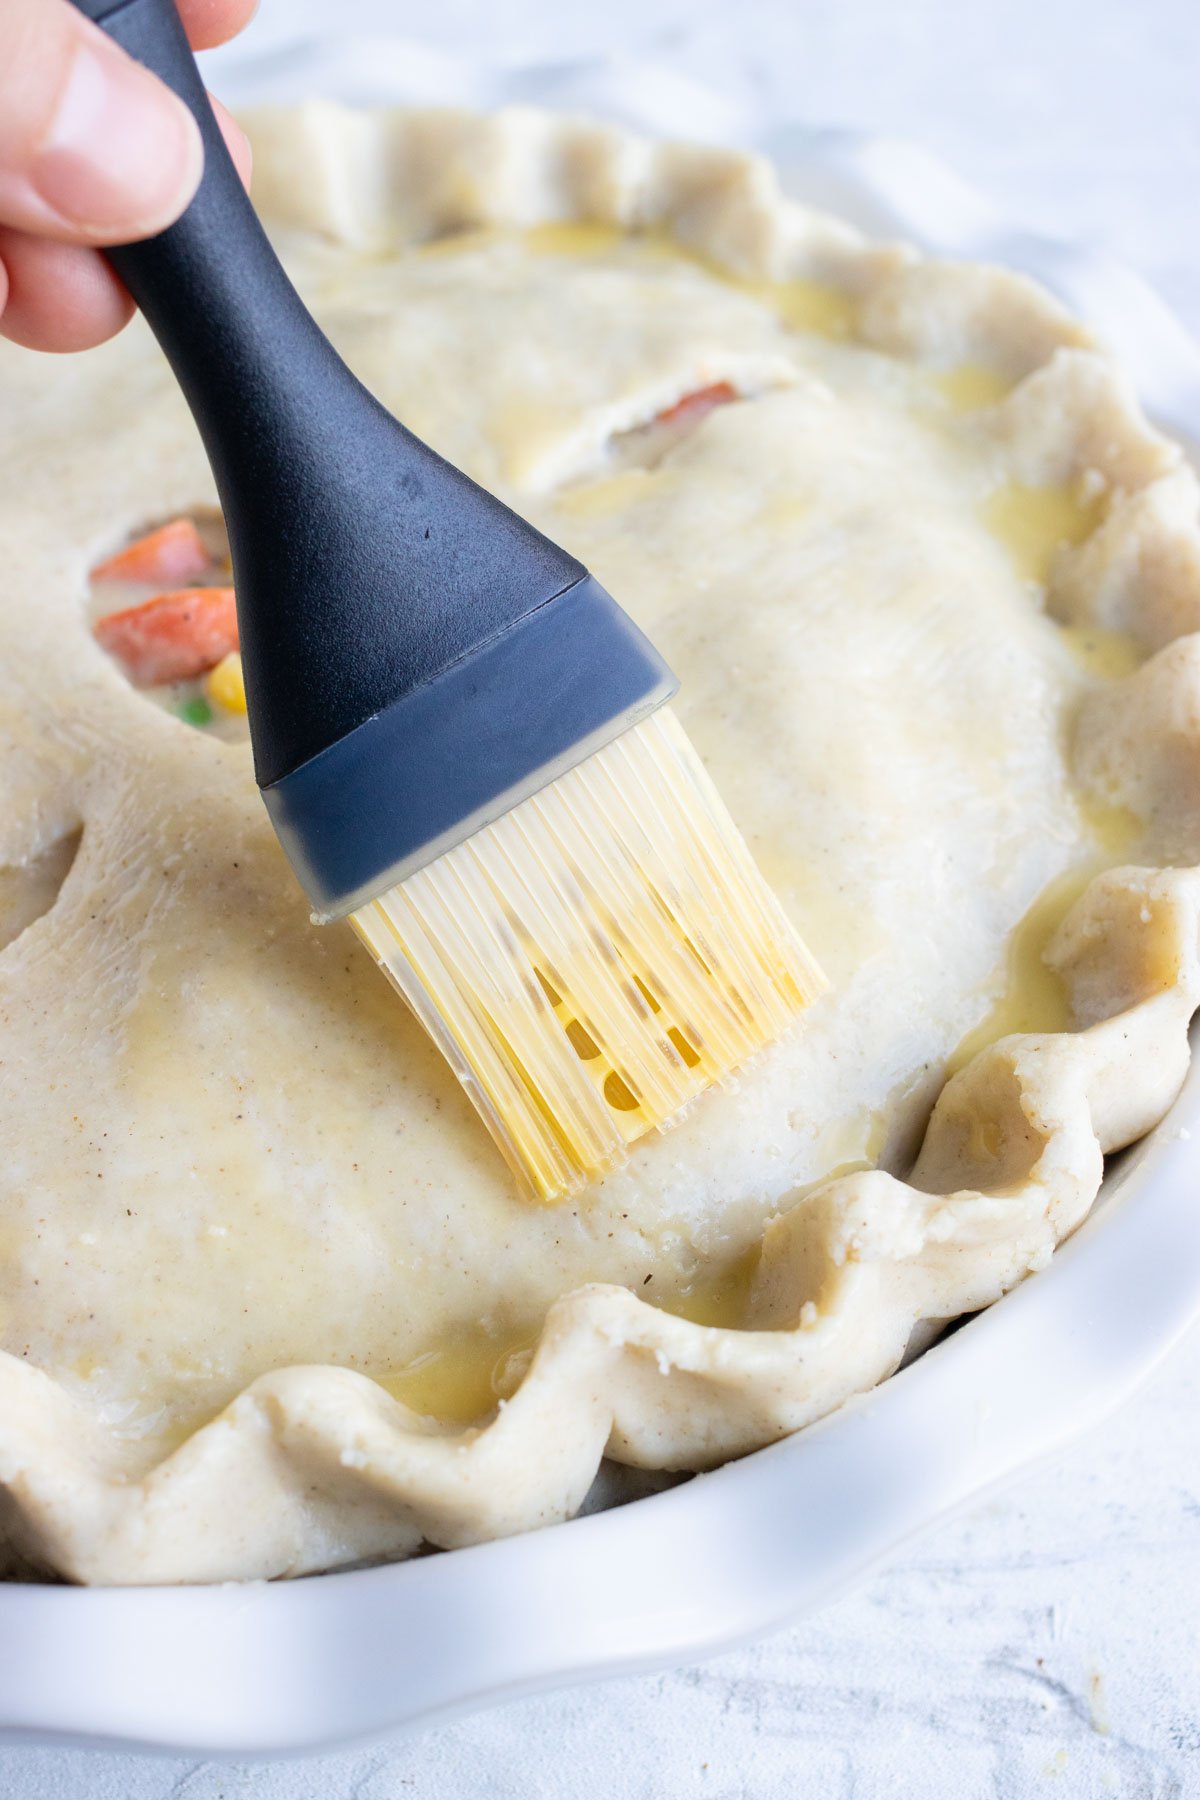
365 565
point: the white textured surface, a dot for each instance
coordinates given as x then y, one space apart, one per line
1044 1642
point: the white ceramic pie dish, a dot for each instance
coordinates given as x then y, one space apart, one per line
262 1668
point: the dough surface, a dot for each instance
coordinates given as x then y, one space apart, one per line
895 573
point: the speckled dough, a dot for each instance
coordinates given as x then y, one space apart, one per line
240 1196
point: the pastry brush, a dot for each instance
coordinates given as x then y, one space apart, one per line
461 739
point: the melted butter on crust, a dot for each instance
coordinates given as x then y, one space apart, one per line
1035 523
1103 654
461 1379
811 306
1032 995
719 1298
971 386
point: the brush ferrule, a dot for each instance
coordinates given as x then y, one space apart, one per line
465 747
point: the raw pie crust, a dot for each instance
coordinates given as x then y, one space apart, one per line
929 583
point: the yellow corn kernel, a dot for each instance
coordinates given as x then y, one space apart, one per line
225 685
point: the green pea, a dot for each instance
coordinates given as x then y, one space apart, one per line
196 711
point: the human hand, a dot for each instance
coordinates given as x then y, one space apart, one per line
94 150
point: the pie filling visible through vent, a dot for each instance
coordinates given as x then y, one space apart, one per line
270 1301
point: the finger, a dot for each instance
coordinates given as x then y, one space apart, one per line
59 296
210 22
66 296
93 148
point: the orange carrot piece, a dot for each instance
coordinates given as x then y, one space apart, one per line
694 407
174 553
173 637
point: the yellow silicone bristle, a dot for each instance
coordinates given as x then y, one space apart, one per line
596 958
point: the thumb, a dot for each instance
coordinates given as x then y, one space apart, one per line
93 148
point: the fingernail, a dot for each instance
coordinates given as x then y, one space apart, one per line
122 153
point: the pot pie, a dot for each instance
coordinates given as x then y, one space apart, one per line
270 1302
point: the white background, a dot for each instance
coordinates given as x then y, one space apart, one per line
1047 1641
